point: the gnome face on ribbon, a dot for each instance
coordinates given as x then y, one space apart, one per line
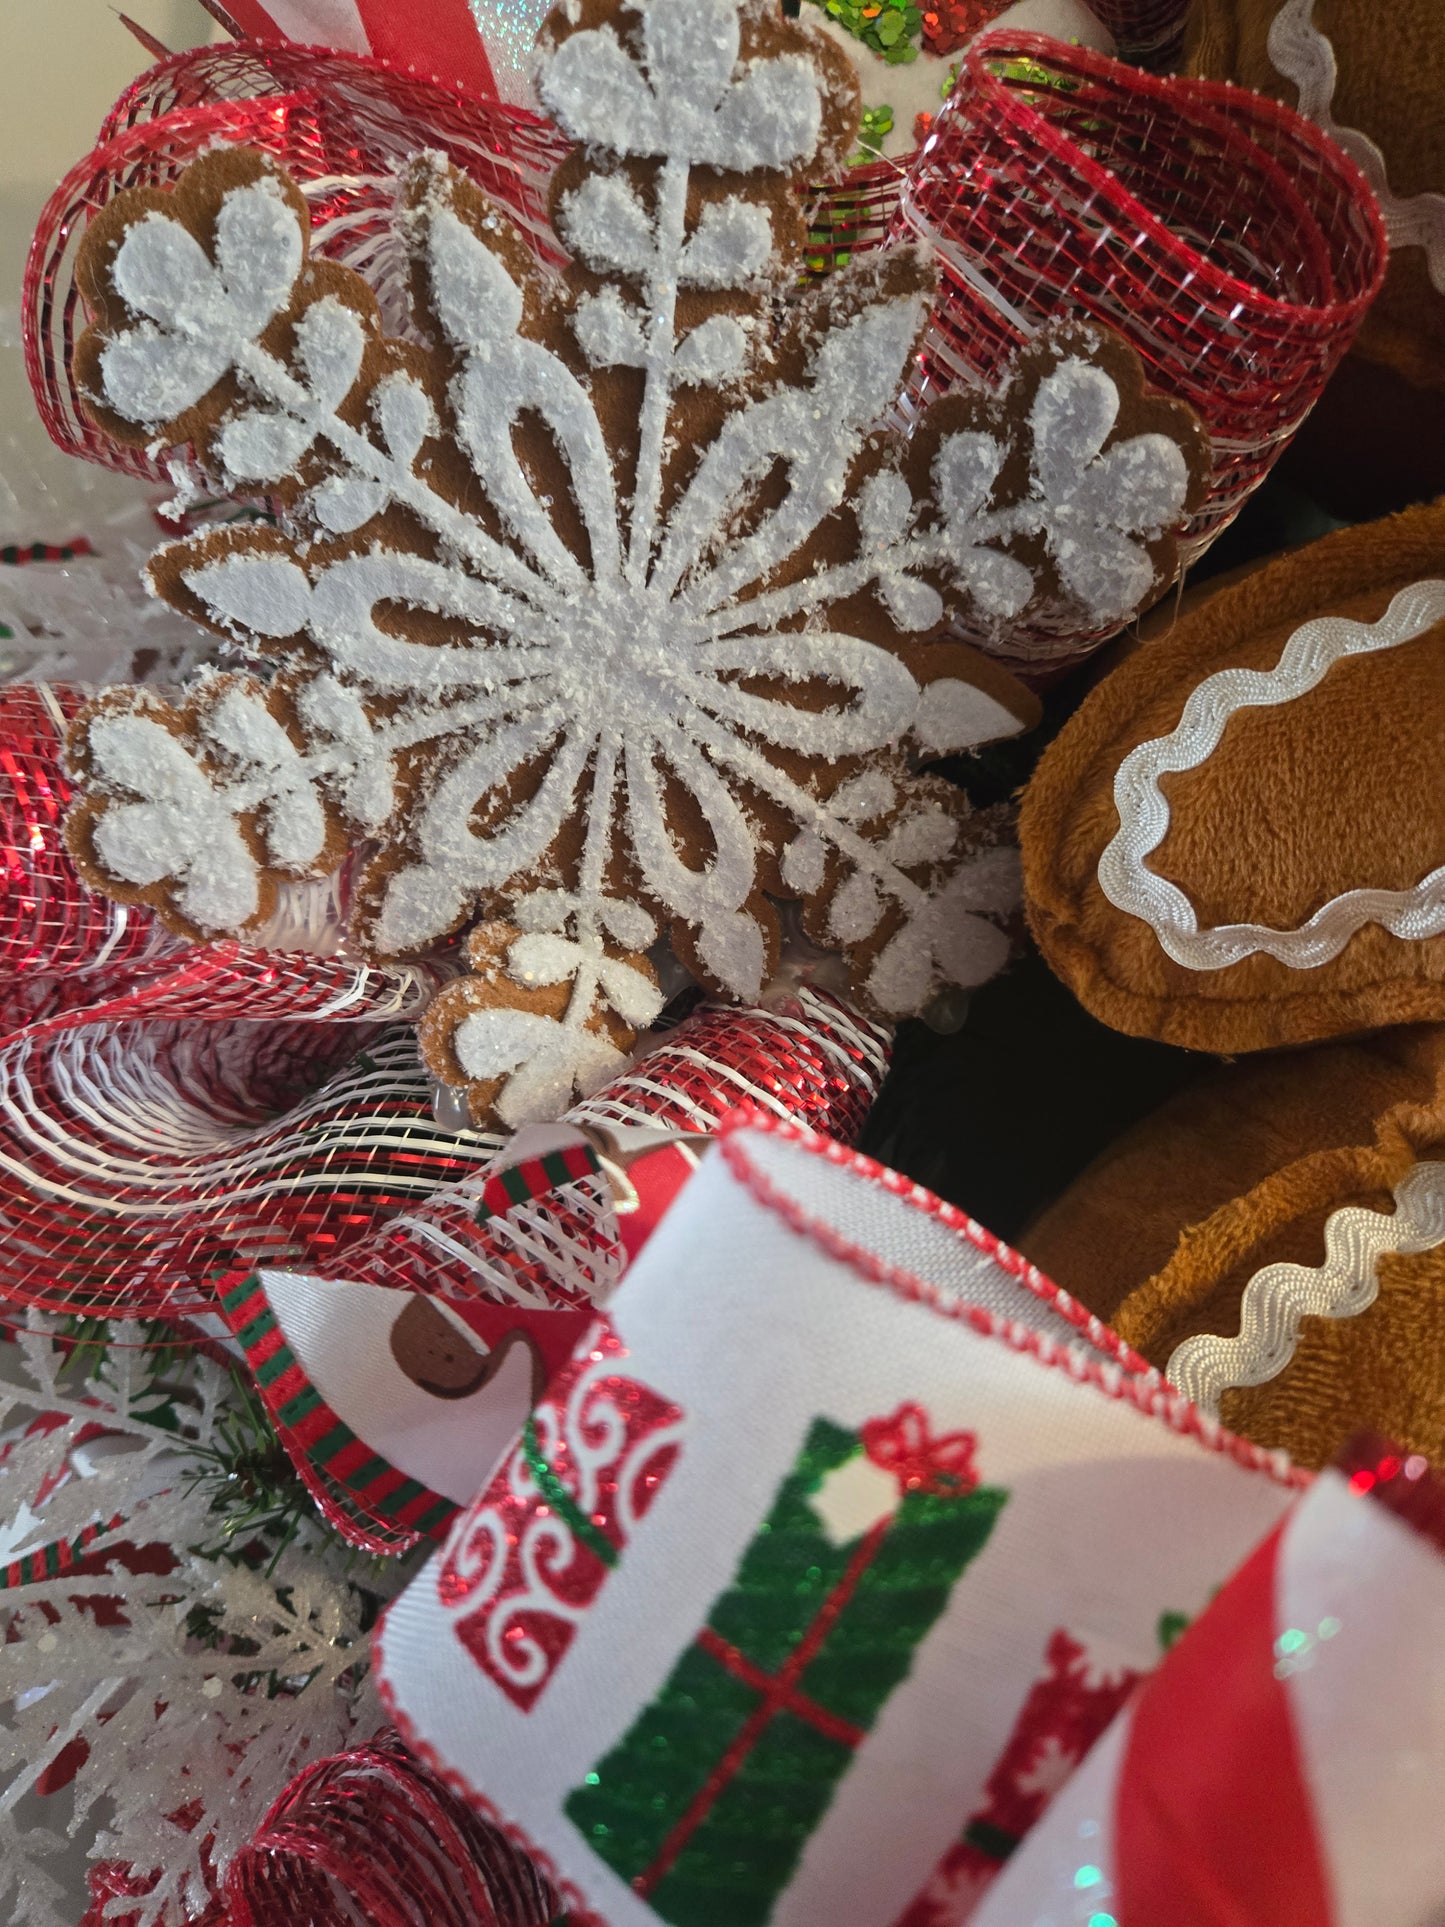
441 1356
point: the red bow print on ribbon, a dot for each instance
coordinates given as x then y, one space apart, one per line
904 1446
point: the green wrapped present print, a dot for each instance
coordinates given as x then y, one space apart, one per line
706 1803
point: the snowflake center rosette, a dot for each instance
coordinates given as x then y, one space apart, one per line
601 609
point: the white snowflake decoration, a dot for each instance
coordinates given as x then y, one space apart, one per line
171 1723
612 607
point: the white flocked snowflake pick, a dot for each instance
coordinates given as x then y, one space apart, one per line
602 611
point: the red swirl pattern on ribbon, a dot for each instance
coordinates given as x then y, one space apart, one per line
527 1560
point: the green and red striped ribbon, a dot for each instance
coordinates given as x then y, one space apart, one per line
356 1482
534 1178
58 1558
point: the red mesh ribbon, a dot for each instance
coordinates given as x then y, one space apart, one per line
159 1111
817 1063
374 1836
339 122
813 1060
1225 237
48 921
853 215
142 1161
169 1113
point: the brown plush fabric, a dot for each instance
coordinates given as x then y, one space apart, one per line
1342 788
1164 1232
1391 60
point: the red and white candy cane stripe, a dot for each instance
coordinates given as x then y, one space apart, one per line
1283 1766
439 40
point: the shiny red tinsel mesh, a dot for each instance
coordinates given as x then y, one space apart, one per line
141 1160
341 124
48 923
853 215
169 1112
818 1063
1225 237
373 1835
813 1060
161 1104
560 1248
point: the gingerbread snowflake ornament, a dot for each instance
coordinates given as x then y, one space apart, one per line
601 611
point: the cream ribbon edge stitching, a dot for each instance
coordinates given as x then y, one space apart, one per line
1308 656
1277 1298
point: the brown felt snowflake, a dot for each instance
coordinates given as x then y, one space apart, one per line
605 605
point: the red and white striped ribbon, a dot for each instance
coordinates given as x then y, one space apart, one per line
1283 1766
440 40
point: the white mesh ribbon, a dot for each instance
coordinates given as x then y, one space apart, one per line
747 1617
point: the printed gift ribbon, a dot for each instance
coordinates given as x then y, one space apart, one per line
838 1541
398 1374
1284 1763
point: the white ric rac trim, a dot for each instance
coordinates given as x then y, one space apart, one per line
1301 53
1277 1298
1308 656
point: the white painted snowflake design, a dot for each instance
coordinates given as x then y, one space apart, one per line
610 607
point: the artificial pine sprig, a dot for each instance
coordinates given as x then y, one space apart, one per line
254 1494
